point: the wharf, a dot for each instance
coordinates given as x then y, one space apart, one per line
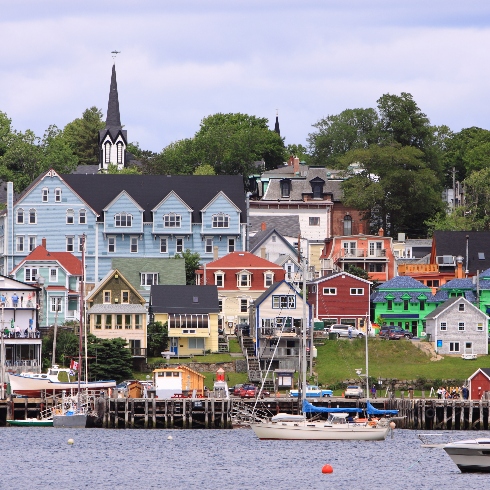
209 413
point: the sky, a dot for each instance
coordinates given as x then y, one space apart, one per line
182 60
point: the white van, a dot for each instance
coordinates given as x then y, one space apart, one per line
343 330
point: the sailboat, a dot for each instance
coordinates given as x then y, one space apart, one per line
340 425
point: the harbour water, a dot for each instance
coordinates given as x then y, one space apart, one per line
221 459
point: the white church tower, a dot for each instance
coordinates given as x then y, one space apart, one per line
113 140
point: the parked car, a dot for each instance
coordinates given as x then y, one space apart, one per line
395 333
353 391
343 330
252 391
236 390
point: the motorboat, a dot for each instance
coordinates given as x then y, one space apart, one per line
470 456
31 422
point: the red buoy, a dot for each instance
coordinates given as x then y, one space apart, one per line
327 469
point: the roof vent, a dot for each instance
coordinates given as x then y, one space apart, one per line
195 299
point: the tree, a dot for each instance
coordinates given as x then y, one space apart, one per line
5 132
357 271
109 358
56 152
192 263
82 135
178 158
394 189
204 170
113 169
297 151
66 347
157 338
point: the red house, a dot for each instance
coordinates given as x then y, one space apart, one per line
241 277
479 383
340 298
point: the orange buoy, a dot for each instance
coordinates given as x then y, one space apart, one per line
327 469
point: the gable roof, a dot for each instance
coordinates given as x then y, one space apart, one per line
242 260
67 260
403 282
448 304
180 299
327 277
258 239
149 190
102 284
485 371
272 288
286 225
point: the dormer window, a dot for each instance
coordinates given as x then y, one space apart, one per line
285 188
107 151
221 220
268 279
123 220
244 279
172 220
119 152
219 279
317 188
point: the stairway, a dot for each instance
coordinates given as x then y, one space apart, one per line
253 366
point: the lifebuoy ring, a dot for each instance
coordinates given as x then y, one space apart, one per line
429 414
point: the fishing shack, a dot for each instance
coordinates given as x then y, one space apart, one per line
177 381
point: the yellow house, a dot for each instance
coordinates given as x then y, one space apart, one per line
191 314
115 309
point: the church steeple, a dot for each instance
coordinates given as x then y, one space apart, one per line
112 139
276 126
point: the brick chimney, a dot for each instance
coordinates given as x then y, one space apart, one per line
263 226
43 242
381 232
459 267
215 252
296 165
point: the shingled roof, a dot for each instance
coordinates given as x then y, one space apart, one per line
285 225
184 299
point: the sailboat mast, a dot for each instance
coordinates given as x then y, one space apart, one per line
303 342
81 319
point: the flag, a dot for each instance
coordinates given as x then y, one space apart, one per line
74 365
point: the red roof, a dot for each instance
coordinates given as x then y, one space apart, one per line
66 259
242 260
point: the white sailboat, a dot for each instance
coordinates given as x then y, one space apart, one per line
338 426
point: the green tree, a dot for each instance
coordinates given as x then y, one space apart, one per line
204 170
357 271
56 152
113 169
66 347
298 151
82 135
178 158
157 338
5 132
109 358
192 263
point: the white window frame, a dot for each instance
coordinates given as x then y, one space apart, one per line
80 243
357 291
461 307
329 291
111 244
231 245
45 194
19 243
70 243
148 278
32 242
221 220
70 217
243 305
443 327
375 246
461 327
20 216
53 277
163 245
248 280
349 248
107 151
133 245
107 296
196 343
268 279
314 220
56 304
284 301
219 279
208 245
179 245
119 148
57 194
123 220
30 274
172 220
479 327
32 216
82 217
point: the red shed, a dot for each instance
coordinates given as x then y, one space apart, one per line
479 383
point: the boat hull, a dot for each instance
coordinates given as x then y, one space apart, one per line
76 421
470 456
318 432
31 423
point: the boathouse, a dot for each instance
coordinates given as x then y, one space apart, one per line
479 383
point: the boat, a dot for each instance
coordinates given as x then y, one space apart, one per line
71 413
471 455
32 422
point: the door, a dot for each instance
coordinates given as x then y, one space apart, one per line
174 345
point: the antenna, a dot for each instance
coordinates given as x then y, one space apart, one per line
114 53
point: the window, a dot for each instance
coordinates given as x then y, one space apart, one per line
19 243
479 327
45 194
163 246
390 304
119 152
373 267
422 304
179 245
349 249
347 225
32 243
317 189
149 278
137 322
221 220
69 243
107 296
111 244
107 148
30 274
196 343
453 346
81 242
82 216
20 216
244 280
289 272
376 249
220 305
461 326
53 274
461 307
134 245
123 220
125 297
209 246
172 220
268 279
314 221
329 291
219 280
98 322
285 188
356 291
443 326
55 303
243 306
284 301
118 325
70 217
57 195
405 304
433 283
127 322
231 245
108 322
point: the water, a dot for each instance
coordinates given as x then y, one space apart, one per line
220 459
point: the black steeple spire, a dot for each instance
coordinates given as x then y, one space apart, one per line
276 126
113 120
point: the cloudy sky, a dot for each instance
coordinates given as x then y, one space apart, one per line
182 60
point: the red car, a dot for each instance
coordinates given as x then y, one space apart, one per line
251 391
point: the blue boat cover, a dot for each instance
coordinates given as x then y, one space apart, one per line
309 408
374 411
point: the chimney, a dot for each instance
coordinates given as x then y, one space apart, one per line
381 232
215 252
296 165
43 241
262 252
263 226
459 267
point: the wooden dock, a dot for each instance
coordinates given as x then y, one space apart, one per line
216 413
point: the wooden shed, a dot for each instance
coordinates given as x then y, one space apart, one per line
177 380
479 383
